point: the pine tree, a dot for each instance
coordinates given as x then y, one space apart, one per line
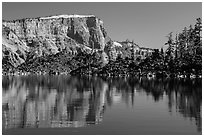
170 44
169 62
197 58
132 51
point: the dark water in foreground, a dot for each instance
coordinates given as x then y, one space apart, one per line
71 105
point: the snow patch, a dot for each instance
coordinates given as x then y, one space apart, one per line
67 16
117 44
100 21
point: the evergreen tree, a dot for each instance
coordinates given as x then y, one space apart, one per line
169 54
132 51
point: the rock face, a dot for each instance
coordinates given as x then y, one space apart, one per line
13 49
126 49
34 37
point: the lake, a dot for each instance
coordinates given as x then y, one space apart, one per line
99 106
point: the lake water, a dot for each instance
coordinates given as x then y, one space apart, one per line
71 105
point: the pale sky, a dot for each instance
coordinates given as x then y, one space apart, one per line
146 23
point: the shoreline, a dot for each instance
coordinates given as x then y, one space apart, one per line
137 75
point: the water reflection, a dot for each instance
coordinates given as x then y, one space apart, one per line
185 95
62 101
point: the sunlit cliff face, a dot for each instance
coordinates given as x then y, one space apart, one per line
35 37
85 29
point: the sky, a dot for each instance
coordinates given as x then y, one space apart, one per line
147 24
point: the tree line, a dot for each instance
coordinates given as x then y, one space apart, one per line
184 52
183 57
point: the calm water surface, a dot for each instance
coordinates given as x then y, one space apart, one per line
71 105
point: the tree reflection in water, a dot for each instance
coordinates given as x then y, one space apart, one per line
62 101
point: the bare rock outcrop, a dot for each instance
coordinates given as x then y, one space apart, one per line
29 38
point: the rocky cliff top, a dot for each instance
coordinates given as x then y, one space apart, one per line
67 16
54 17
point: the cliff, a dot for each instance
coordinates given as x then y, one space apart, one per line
126 49
14 49
62 44
29 38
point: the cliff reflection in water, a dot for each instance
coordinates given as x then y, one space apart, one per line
62 101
